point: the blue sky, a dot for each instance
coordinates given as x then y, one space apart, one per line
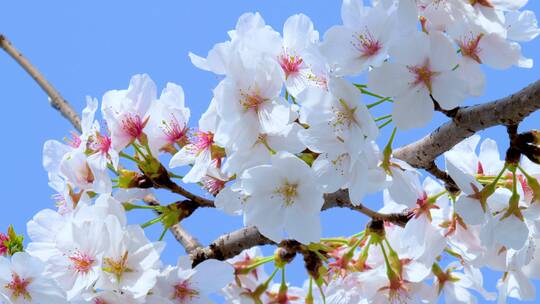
88 47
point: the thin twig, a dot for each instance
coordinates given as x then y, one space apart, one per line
161 179
189 242
449 183
341 199
56 100
230 245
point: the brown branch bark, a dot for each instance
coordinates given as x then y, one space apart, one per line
421 154
469 120
231 244
161 179
189 242
56 100
341 199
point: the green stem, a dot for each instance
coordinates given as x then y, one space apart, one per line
136 147
391 140
110 166
163 234
132 206
359 234
335 240
371 105
172 175
385 124
436 196
152 222
260 262
386 261
294 100
125 155
147 148
383 117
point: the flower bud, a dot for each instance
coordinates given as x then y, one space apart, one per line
532 153
375 229
4 239
14 242
285 254
530 137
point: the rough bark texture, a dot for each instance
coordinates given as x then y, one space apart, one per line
469 120
421 154
230 244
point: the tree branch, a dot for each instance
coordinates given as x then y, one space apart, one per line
469 120
231 244
162 180
189 242
341 199
421 154
56 100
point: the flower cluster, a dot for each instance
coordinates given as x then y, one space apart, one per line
285 128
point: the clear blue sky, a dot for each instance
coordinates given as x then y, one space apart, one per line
88 47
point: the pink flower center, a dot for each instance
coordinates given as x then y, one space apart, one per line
320 80
423 75
173 130
100 301
424 206
203 140
290 64
117 267
281 297
397 290
212 185
366 44
102 144
251 101
183 292
480 169
3 238
82 262
246 262
133 125
19 287
527 190
469 47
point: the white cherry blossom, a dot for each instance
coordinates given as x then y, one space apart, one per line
421 68
283 197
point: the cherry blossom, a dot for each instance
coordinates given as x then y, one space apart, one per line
23 280
182 284
283 198
421 72
284 136
126 111
362 41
